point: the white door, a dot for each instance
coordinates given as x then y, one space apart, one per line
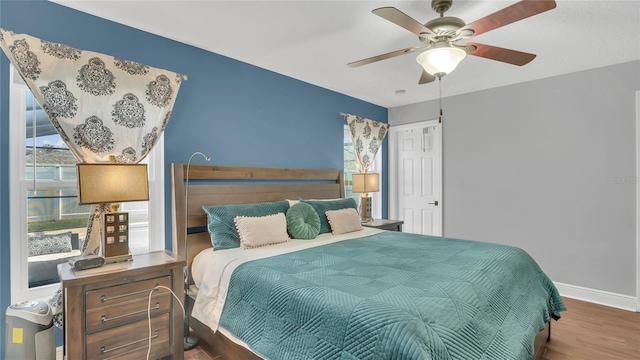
417 171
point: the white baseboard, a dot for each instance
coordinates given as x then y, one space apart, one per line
625 302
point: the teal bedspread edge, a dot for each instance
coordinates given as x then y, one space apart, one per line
392 296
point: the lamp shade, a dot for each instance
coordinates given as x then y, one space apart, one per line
106 183
441 60
365 183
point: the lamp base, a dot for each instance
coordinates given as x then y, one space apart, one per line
190 342
365 208
115 237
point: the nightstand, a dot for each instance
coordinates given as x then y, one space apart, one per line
105 309
383 224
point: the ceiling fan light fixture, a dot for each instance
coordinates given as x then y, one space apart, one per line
441 60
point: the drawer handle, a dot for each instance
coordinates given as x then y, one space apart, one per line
105 318
104 298
103 350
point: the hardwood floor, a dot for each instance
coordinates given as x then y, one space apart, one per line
590 331
586 331
200 354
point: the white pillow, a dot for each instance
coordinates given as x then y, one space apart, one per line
256 231
344 221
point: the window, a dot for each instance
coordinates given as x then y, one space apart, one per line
351 168
47 224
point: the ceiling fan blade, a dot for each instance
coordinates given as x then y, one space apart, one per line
516 12
500 54
401 19
384 56
426 78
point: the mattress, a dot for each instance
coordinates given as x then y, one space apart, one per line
372 294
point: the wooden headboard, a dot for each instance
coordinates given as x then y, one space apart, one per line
218 185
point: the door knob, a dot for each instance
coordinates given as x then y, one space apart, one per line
434 203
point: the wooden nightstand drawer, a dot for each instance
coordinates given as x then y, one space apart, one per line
118 343
106 317
105 310
140 354
122 293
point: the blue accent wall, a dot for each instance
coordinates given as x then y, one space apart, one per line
237 113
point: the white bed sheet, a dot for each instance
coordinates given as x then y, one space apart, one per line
211 270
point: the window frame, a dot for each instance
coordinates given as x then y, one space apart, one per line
18 185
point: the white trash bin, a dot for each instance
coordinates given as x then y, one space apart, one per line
30 332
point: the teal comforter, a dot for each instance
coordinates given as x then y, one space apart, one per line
392 296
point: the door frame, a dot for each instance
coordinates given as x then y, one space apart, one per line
637 181
393 165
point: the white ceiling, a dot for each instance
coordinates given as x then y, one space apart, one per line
314 40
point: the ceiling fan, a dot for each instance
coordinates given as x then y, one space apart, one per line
439 54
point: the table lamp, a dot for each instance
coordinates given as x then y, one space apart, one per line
366 183
113 183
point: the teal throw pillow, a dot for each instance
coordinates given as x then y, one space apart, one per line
321 207
303 222
222 227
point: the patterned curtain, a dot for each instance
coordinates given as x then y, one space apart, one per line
100 105
367 136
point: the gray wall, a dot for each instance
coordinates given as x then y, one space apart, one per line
548 166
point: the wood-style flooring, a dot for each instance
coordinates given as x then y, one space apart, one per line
586 331
591 331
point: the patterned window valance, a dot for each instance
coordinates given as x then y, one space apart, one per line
367 136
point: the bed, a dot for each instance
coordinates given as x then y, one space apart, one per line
273 306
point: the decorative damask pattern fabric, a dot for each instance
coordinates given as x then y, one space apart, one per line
128 112
367 136
95 100
100 105
49 244
61 101
96 79
60 51
132 67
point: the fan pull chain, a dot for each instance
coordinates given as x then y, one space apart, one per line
440 99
